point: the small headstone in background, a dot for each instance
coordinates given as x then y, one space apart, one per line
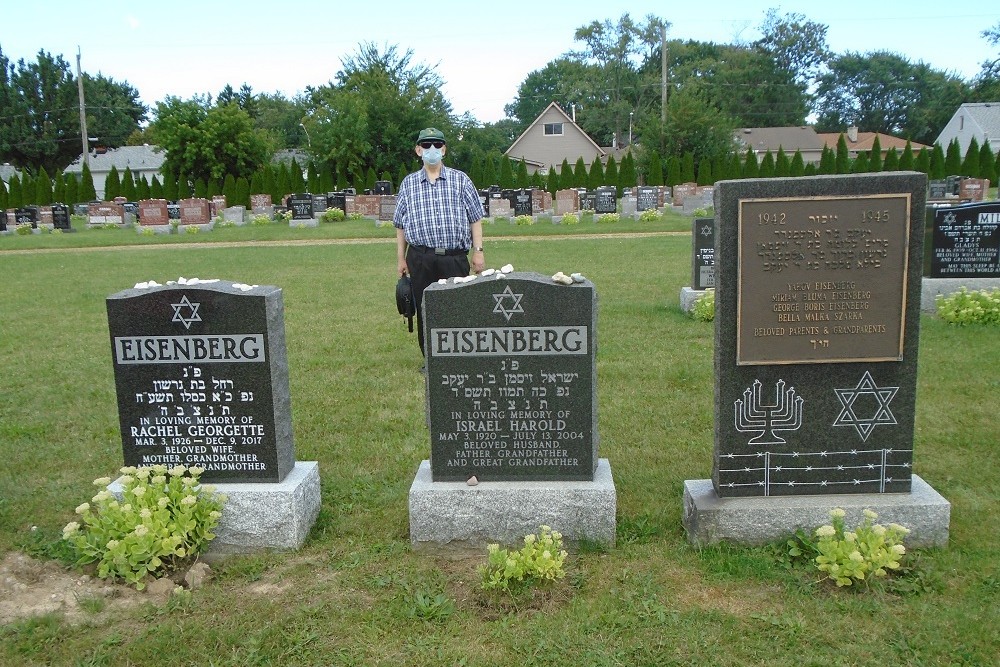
336 200
387 208
237 214
319 204
682 191
629 206
174 211
973 189
367 205
104 212
218 205
195 211
27 215
522 202
567 201
938 189
301 205
703 254
383 188
588 201
606 200
153 212
966 241
500 207
60 217
262 204
647 198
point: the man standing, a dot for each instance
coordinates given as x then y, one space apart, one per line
438 221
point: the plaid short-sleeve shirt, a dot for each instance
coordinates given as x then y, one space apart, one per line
438 214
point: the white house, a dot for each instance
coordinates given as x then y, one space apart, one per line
142 160
550 139
980 120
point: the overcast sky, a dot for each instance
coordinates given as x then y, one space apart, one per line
482 50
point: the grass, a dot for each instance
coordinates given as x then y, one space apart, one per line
355 594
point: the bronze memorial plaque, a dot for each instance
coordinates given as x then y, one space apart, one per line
822 279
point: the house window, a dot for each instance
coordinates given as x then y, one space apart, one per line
553 129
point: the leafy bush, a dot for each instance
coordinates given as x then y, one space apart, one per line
524 220
260 220
703 309
355 216
609 217
164 517
23 229
539 562
848 557
970 307
333 215
649 215
571 219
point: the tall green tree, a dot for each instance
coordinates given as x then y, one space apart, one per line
506 173
987 163
970 163
767 165
128 184
654 176
953 158
87 191
751 169
843 158
891 162
43 188
580 174
626 175
936 163
596 177
906 159
112 184
782 166
611 175
797 166
875 156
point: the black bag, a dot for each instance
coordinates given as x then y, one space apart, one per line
404 300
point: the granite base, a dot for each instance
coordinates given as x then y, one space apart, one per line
453 517
262 515
156 229
688 296
932 287
709 519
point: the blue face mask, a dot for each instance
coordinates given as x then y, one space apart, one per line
431 155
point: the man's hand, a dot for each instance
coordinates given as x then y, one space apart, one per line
401 268
478 262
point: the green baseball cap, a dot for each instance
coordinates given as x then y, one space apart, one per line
430 134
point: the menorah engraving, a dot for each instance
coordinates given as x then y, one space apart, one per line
785 414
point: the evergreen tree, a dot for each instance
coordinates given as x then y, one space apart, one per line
735 169
861 163
953 159
580 175
14 198
297 181
843 160
891 162
212 188
552 182
27 189
200 188
156 189
720 169
72 195
687 168
750 167
401 174
3 198
112 184
970 164
611 175
565 175
875 156
312 180
58 189
43 188
987 163
490 171
536 180
906 159
938 167
797 167
596 178
282 186
655 175
673 170
229 190
370 179
827 161
521 180
142 188
87 191
705 173
342 183
327 181
781 164
767 165
128 185
506 173
183 187
242 193
923 161
811 170
627 178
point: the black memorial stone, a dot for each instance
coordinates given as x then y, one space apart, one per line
953 185
131 207
201 374
336 200
301 206
966 241
27 215
703 254
319 203
511 379
647 198
383 188
816 331
173 211
522 202
484 201
938 189
588 201
60 217
606 200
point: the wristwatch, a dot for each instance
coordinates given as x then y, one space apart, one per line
478 248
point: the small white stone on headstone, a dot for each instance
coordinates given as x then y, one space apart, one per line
507 268
472 481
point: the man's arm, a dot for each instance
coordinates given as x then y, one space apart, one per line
478 259
401 267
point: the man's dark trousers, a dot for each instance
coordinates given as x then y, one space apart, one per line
427 266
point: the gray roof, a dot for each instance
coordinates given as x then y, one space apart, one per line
136 158
7 170
986 115
763 139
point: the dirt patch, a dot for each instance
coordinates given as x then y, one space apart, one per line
30 587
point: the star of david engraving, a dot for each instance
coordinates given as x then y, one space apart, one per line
706 230
950 218
185 305
872 415
505 297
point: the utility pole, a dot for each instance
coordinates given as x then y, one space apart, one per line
663 74
83 110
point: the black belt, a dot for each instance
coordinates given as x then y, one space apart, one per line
440 251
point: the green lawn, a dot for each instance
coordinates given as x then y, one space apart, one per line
350 596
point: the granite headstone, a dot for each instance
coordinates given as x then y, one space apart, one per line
703 254
511 379
966 241
201 375
816 330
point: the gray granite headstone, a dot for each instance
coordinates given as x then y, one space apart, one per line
301 206
966 241
606 200
818 282
511 378
201 374
647 197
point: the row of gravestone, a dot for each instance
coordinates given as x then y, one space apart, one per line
958 187
55 216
